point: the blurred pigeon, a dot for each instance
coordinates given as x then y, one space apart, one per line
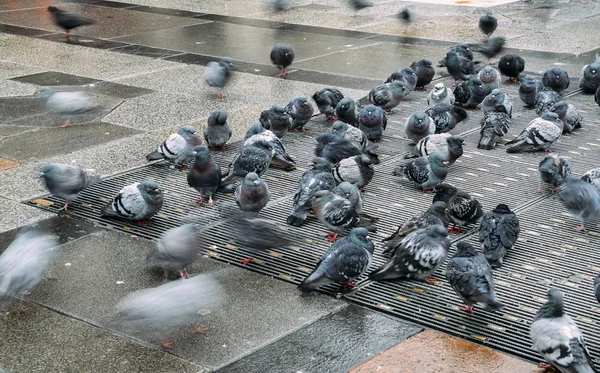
347 111
440 95
419 125
406 75
592 177
429 145
494 99
68 20
446 116
469 93
357 170
278 5
351 193
68 104
178 147
255 157
459 66
387 96
528 90
539 134
557 79
177 249
462 49
488 23
359 4
277 120
205 175
425 172
589 81
343 263
568 114
581 199
597 288
317 178
282 56
335 148
138 202
280 157
218 74
544 101
352 134
494 126
417 256
511 65
405 15
327 100
300 110
372 121
252 194
257 233
461 209
217 131
425 72
490 79
558 339
498 232
435 215
490 47
66 181
470 276
597 96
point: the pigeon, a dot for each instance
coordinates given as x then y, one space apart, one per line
205 175
462 49
490 47
405 15
511 65
406 75
417 256
429 145
372 121
593 177
446 116
277 120
138 202
252 194
352 134
435 215
528 90
459 66
217 131
544 101
419 125
280 158
490 79
488 23
257 233
597 96
470 275
68 104
359 4
282 56
425 172
218 74
589 81
557 79
568 114
539 134
177 249
496 98
558 339
389 95
317 178
327 100
498 232
494 125
581 199
425 72
357 170
300 110
343 263
178 147
66 181
255 158
597 288
347 111
440 95
25 262
461 209
68 20
454 150
470 93
335 148
351 193
279 5
155 312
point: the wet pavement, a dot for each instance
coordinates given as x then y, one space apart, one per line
144 62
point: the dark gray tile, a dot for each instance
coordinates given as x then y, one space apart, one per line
54 78
119 91
12 108
13 130
84 41
141 50
22 31
167 12
335 80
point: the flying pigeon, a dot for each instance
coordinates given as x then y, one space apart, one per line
66 181
490 47
589 81
494 99
418 126
544 100
218 74
68 20
440 95
425 172
557 79
511 65
462 49
317 178
351 193
372 121
279 5
252 194
68 104
425 72
568 114
352 134
177 249
282 56
277 120
446 116
138 202
205 175
357 170
498 232
255 158
593 177
528 90
280 157
389 95
406 75
494 126
178 147
347 111
300 110
581 199
405 15
469 93
490 78
539 134
217 131
461 209
488 23
327 100
459 66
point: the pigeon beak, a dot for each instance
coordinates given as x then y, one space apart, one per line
194 152
42 174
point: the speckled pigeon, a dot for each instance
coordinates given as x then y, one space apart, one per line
490 78
494 125
258 233
469 93
177 249
255 157
68 104
462 49
218 74
419 125
352 134
205 175
425 172
282 56
217 131
373 122
557 79
327 100
589 81
406 75
280 158
459 66
539 134
351 193
68 20
425 72
568 114
490 47
357 170
300 110
178 148
496 98
429 145
461 209
498 232
446 116
138 202
511 65
277 120
581 199
440 95
544 100
347 111
528 90
488 23
389 95
252 194
66 181
593 177
554 170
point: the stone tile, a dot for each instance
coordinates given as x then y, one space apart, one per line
22 31
141 50
83 41
53 78
24 4
240 8
167 11
15 214
10 70
6 131
11 88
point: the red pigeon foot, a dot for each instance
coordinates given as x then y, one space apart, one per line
331 237
430 280
350 285
200 200
221 95
580 228
143 223
467 308
200 330
165 343
246 261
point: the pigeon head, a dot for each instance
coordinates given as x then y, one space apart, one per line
399 87
502 208
226 62
409 71
255 129
46 92
149 187
476 84
345 104
363 160
319 163
201 153
361 235
218 117
465 250
52 9
455 141
347 189
339 128
252 179
438 159
371 113
436 231
438 208
420 117
488 74
187 131
49 170
280 110
326 138
560 108
264 145
592 70
554 307
444 191
438 88
406 15
426 62
302 101
550 116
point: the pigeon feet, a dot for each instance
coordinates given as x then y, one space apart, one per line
221 95
200 330
331 237
469 309
350 285
65 207
66 36
454 230
565 133
211 201
388 111
165 343
547 150
491 63
184 274
420 89
143 223
547 367
64 125
581 228
430 280
283 73
200 200
331 118
246 261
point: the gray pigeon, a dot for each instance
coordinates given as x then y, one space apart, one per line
218 74
425 172
446 116
300 110
592 177
281 158
217 131
498 232
68 20
429 145
343 263
494 99
417 256
357 170
389 95
461 209
528 90
68 104
558 339
277 120
279 5
177 249
255 157
568 114
352 134
488 23
470 93
554 170
317 178
462 49
425 72
557 79
539 134
470 275
511 65
66 181
435 215
252 194
351 193
205 175
327 100
544 101
459 66
406 75
494 126
138 202
589 81
454 150
335 148
372 121
257 233
581 199
282 56
597 288
440 95
490 47
597 96
347 111
418 126
178 147
490 78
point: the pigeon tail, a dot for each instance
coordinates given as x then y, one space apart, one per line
280 161
155 156
385 272
107 210
230 179
374 158
314 281
297 218
368 222
520 146
493 306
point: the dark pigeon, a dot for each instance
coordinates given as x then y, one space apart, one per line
581 199
277 120
597 288
425 172
459 66
68 20
280 158
446 116
418 126
490 47
317 178
251 158
528 90
470 93
425 72
66 181
252 194
138 202
568 114
544 100
389 95
335 148
462 49
488 23
282 56
407 75
178 148
373 122
360 4
217 131
461 209
347 111
539 134
494 126
597 96
494 99
327 100
511 65
557 79
352 134
357 170
205 175
258 233
218 74
300 110
589 81
498 233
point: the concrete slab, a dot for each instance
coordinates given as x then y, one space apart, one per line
231 8
10 70
6 131
12 88
16 214
54 78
